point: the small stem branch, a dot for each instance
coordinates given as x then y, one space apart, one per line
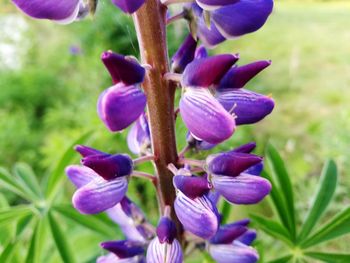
172 168
184 150
192 162
169 2
175 77
144 175
175 18
143 159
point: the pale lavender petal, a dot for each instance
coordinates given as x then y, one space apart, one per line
205 118
242 189
80 175
214 4
128 6
139 138
163 252
121 105
210 37
233 253
198 216
99 195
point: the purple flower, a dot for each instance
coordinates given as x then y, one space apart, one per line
64 11
248 237
128 6
139 138
236 252
112 258
184 55
228 233
248 106
121 105
198 216
204 116
192 186
210 37
164 247
238 76
199 144
129 251
201 52
123 69
242 189
214 4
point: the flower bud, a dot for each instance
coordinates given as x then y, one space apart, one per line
233 253
248 106
123 69
237 77
205 118
129 6
120 105
243 189
184 55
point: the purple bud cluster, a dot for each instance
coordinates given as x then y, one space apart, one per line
213 103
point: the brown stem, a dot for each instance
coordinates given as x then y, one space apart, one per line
150 23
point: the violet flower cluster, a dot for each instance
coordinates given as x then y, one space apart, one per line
213 103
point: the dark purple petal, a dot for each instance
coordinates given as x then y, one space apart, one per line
99 195
206 119
231 163
201 52
243 189
64 11
255 169
184 55
214 4
243 17
163 252
123 69
248 106
109 166
237 77
246 148
139 138
233 253
248 237
166 230
205 72
198 216
80 175
123 248
87 151
128 6
120 105
227 233
192 186
197 144
210 37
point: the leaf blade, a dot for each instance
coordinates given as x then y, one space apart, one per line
29 180
330 257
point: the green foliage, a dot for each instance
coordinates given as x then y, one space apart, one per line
310 234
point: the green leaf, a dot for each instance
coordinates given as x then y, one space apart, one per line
91 222
272 228
322 198
23 223
57 176
61 242
7 252
276 163
225 212
283 259
11 214
9 182
28 178
338 226
330 257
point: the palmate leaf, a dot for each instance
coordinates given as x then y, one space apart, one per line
11 214
284 185
272 228
37 242
27 178
60 239
57 175
322 198
7 252
330 257
91 222
336 227
283 259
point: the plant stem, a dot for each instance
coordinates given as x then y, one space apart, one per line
143 159
150 24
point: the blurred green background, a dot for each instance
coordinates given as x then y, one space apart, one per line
51 76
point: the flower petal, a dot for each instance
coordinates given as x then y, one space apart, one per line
243 17
201 52
128 6
63 11
198 216
214 4
210 37
205 118
237 77
255 169
184 55
191 186
139 138
87 151
243 189
163 252
205 72
248 106
233 253
123 69
166 230
123 248
99 195
248 237
121 105
246 148
228 233
80 175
